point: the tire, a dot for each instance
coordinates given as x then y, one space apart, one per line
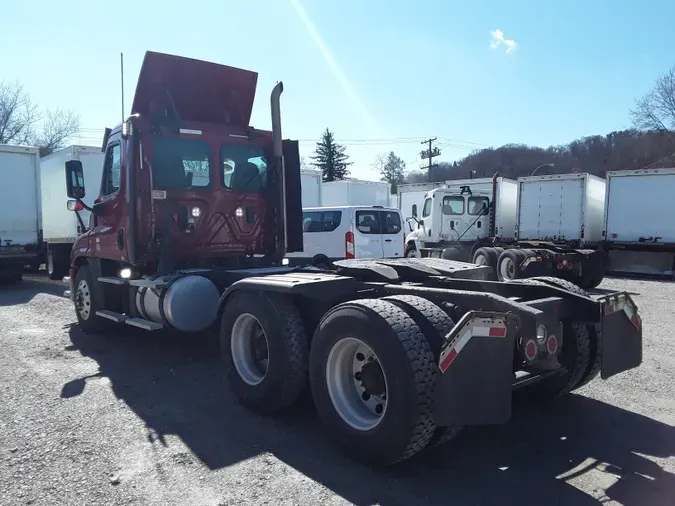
435 324
406 373
57 264
321 261
487 255
264 388
583 361
33 267
515 258
86 302
411 251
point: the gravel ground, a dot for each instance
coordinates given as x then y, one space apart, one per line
146 418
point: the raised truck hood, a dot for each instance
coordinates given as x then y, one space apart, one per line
202 91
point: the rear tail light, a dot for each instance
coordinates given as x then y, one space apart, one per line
530 350
552 344
349 245
569 266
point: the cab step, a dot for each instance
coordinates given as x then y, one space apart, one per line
112 280
148 283
134 322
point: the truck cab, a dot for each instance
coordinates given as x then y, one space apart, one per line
186 181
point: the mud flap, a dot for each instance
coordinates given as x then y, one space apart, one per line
621 335
476 365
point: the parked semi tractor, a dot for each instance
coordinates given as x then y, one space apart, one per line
60 225
20 211
196 212
535 226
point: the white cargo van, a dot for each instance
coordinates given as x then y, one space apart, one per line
339 232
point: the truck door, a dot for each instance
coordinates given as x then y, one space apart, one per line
454 218
367 234
109 235
476 225
392 234
426 223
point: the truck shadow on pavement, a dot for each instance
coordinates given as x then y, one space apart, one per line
175 385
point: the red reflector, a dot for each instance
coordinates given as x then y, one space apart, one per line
539 259
497 332
636 321
559 266
445 363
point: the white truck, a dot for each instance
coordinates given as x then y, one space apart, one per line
355 192
535 226
639 226
21 214
311 182
60 225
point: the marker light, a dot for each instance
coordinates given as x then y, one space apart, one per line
239 212
196 212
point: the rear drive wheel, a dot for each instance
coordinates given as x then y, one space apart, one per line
86 301
579 351
372 374
508 265
264 347
57 264
436 324
595 342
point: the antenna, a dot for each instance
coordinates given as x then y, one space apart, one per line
122 76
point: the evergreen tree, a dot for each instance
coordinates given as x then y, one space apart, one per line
331 158
392 170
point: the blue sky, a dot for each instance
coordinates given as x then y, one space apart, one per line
382 74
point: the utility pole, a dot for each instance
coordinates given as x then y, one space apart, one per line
429 154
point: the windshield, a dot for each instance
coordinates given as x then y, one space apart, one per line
181 164
244 167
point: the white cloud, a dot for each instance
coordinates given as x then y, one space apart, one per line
499 40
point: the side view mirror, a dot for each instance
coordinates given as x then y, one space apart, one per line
74 180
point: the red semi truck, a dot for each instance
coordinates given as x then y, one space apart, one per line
196 212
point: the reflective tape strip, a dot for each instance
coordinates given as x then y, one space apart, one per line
621 303
479 327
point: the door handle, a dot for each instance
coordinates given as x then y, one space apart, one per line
387 240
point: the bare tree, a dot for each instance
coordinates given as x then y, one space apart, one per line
391 168
21 121
656 110
18 114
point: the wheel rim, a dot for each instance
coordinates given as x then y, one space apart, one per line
83 300
481 260
357 384
507 268
250 349
412 253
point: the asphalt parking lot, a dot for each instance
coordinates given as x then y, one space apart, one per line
147 419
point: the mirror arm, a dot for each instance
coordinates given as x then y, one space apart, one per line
79 218
85 206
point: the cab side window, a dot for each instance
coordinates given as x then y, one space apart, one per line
427 208
111 170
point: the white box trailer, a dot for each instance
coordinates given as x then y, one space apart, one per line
311 183
20 211
60 226
355 192
565 208
639 221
